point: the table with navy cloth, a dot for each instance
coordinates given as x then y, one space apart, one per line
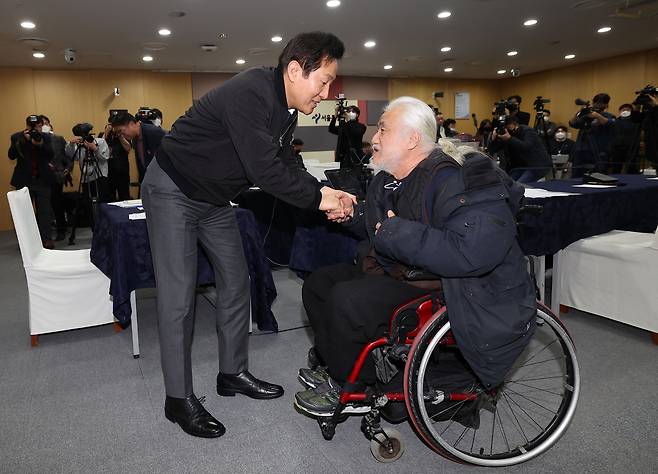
120 249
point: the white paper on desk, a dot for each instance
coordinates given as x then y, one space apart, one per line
538 193
130 203
653 178
137 216
600 186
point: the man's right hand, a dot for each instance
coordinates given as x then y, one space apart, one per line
337 204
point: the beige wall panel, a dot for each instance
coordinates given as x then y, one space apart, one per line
17 99
169 92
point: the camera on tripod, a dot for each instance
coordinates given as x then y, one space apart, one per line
539 103
500 116
83 130
35 134
644 96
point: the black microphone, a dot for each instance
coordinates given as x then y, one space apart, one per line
475 121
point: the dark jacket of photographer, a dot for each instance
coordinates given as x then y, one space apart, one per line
33 162
232 138
459 222
350 136
524 149
594 134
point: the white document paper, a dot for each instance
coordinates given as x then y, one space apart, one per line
538 193
600 186
130 203
137 216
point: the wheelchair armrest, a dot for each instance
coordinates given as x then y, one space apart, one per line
417 274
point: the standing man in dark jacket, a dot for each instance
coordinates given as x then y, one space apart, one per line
118 174
145 138
424 210
33 153
529 160
230 139
595 127
350 136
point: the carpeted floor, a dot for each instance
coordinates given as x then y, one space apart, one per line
80 403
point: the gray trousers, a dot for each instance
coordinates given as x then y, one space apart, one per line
176 224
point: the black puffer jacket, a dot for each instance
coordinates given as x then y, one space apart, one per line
459 223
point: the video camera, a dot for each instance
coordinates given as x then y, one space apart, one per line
83 130
539 103
500 116
340 105
644 95
35 134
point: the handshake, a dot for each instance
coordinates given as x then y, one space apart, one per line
336 204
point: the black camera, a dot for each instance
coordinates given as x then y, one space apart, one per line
83 130
586 109
340 106
644 95
32 122
539 103
500 116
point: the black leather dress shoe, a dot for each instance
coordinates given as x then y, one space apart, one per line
192 417
245 383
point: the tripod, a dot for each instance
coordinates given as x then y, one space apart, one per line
90 197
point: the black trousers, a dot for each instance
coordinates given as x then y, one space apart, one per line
347 309
118 184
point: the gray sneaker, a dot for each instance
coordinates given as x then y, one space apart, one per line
323 400
313 378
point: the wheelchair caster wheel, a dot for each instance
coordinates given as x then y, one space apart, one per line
327 428
387 446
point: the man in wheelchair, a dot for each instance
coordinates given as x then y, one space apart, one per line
431 223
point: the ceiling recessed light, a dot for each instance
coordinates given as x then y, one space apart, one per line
444 14
388 66
570 56
147 59
276 39
333 3
445 49
240 61
448 69
501 71
28 25
164 32
370 44
38 55
512 53
530 22
604 29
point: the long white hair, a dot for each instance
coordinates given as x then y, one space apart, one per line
417 116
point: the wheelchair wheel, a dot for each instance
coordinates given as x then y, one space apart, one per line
513 423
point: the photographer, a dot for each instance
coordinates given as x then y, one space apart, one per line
529 160
93 155
145 138
593 143
484 133
626 141
33 154
118 178
62 166
350 135
450 128
647 100
514 108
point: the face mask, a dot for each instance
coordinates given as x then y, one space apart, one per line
47 129
157 122
350 115
453 129
560 136
547 117
625 113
